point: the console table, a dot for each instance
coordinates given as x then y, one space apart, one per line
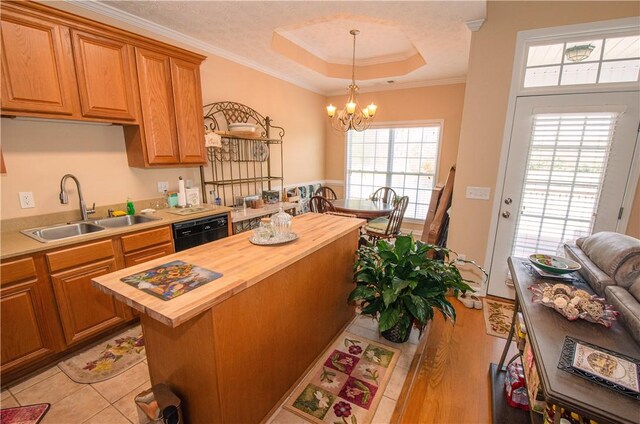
546 330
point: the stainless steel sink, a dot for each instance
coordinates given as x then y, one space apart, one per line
59 232
123 221
65 231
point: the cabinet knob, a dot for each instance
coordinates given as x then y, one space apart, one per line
508 201
506 214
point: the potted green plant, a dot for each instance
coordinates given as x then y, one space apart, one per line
401 284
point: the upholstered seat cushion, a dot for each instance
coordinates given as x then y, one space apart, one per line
594 276
628 304
378 225
618 255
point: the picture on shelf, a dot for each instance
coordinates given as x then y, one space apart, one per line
614 370
603 365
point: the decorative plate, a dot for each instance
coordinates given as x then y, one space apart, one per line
554 264
274 240
260 151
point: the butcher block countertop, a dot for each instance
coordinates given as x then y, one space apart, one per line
242 264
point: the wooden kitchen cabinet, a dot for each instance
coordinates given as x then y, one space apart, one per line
84 310
147 245
105 72
29 324
187 98
172 128
37 66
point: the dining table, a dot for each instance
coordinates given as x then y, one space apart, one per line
363 208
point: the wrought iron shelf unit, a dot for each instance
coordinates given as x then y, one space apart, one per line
241 166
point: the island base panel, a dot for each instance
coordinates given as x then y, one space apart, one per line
234 362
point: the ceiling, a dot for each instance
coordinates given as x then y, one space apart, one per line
412 43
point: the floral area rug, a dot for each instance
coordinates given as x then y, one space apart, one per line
497 317
107 359
347 384
31 414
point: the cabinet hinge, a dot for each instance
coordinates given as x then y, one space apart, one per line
620 213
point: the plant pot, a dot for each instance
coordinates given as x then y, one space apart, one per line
394 334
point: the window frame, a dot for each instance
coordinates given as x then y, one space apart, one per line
399 124
626 28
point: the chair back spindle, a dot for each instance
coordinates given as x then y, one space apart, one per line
320 204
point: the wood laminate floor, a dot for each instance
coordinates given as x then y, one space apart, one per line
452 385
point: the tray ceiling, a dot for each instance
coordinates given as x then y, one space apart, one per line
411 42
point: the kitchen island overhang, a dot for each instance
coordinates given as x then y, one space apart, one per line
235 346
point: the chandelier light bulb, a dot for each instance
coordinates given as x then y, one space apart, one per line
372 109
351 108
331 110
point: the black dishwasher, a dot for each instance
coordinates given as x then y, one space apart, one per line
188 234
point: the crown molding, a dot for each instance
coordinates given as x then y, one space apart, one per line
128 18
402 86
475 24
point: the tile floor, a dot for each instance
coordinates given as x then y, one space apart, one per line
367 327
111 401
106 402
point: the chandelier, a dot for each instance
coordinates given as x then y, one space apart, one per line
352 117
579 53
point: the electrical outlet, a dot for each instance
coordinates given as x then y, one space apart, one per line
480 193
26 200
163 186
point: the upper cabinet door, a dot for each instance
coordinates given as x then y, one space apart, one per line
187 97
104 68
158 113
37 68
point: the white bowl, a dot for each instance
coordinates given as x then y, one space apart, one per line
242 126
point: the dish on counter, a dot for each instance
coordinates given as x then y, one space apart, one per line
271 241
554 264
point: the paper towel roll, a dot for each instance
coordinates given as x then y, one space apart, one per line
182 196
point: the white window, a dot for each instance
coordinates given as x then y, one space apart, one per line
403 158
614 59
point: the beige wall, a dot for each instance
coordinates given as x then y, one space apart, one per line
297 110
435 102
488 83
38 153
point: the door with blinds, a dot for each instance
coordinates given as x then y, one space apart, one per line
568 167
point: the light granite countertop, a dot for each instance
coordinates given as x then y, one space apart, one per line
13 243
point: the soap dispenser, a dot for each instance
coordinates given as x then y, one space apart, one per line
131 210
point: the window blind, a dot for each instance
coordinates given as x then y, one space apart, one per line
403 158
566 166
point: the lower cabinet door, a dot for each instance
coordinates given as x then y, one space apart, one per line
84 310
28 323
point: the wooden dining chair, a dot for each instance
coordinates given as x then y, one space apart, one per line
326 192
387 228
320 204
386 194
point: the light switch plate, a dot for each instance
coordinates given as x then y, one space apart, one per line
26 200
480 193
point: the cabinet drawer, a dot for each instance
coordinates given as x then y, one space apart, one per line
80 255
14 272
144 239
145 255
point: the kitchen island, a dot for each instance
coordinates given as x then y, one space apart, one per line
232 348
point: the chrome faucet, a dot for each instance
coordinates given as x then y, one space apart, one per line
64 199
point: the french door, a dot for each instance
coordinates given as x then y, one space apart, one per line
569 163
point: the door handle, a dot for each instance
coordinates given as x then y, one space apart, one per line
508 201
506 214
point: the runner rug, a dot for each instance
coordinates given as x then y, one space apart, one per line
497 317
30 414
107 359
347 384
